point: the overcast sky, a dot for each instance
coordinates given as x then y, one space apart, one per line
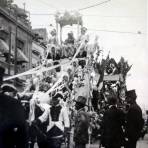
125 17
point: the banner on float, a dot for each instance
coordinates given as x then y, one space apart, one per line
116 77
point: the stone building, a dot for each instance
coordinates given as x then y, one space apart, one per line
15 37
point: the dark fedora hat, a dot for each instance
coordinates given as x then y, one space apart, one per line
131 94
81 100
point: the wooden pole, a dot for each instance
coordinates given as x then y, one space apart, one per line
61 34
57 34
78 29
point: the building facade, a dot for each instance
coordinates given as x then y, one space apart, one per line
15 41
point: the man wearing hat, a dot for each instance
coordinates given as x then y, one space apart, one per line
81 123
58 122
134 120
111 127
12 118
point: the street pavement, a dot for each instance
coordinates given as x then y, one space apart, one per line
142 143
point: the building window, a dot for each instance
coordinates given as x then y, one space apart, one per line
20 44
3 35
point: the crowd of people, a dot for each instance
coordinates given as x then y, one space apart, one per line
73 107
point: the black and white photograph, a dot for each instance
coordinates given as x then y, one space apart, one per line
73 74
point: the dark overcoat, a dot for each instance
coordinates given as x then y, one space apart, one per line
134 121
12 123
81 127
111 128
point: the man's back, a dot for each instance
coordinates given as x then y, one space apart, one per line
81 127
112 133
134 121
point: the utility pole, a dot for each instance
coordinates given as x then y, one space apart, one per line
61 29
